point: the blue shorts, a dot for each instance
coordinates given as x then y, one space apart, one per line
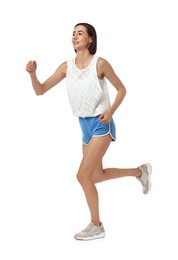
92 127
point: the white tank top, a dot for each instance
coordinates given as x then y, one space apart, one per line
88 95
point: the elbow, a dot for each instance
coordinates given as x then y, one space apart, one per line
39 93
39 89
124 91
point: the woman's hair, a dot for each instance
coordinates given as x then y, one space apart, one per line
92 33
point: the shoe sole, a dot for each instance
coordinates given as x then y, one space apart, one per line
101 235
148 184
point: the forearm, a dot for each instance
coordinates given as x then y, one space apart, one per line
118 100
37 86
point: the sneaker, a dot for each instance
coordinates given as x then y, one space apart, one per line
145 178
91 232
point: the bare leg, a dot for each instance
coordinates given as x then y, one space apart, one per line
93 154
101 174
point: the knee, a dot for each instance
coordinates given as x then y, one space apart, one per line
82 177
98 176
79 177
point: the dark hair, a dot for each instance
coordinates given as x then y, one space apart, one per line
92 33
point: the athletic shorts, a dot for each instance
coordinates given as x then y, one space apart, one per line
92 127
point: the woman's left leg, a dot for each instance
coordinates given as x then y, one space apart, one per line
93 154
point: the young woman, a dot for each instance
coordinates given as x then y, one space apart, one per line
86 76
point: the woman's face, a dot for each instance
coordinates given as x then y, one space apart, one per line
80 39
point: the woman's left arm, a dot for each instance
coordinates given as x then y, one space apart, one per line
106 70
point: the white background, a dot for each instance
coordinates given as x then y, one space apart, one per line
41 204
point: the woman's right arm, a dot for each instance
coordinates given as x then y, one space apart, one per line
41 88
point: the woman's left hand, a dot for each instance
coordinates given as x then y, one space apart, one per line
105 117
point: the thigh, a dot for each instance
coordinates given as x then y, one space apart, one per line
93 154
98 172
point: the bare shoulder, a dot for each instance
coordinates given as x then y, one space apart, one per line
103 67
62 68
102 62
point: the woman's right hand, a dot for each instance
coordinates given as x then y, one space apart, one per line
31 67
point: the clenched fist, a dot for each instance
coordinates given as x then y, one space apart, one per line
31 67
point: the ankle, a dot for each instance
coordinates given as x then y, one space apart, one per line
139 173
96 223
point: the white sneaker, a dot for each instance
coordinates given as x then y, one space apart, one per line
91 232
145 178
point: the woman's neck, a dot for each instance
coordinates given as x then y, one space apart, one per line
83 59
